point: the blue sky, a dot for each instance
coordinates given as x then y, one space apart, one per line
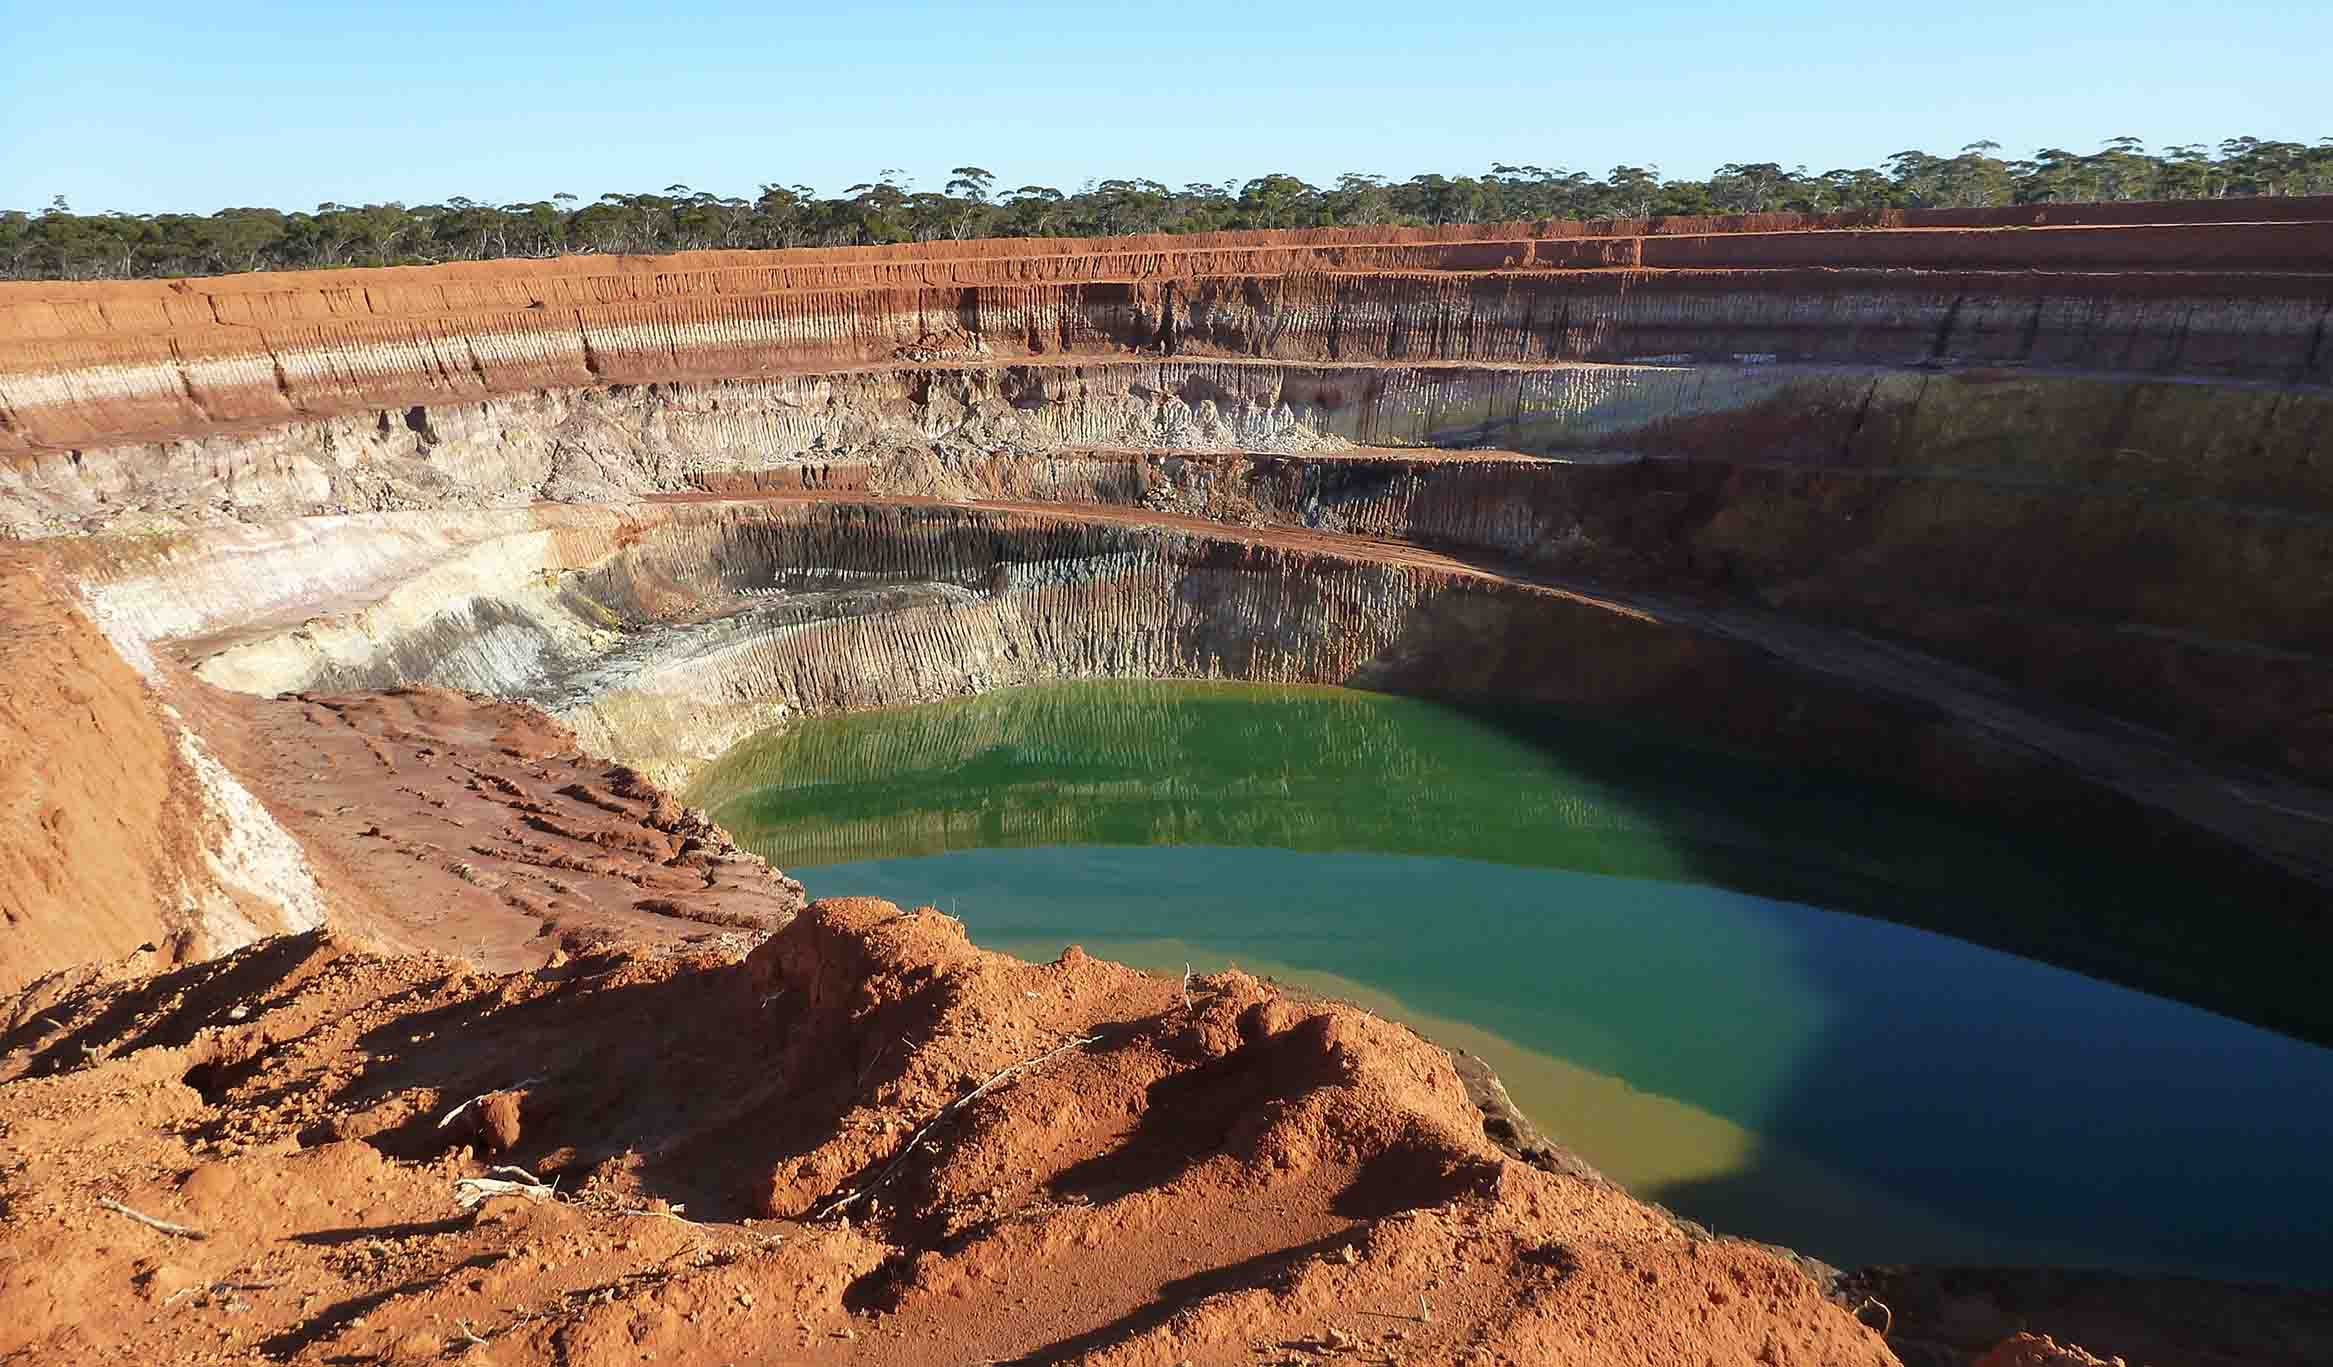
146 106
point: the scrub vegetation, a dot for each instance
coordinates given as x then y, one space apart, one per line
60 243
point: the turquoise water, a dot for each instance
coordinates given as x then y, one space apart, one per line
1656 948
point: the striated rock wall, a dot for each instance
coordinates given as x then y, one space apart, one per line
664 634
2087 450
85 365
2088 447
2163 549
94 386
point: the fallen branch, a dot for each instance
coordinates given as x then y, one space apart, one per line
472 1192
915 1141
880 1050
448 1117
175 1230
1888 1322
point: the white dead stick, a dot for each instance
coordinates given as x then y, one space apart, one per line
472 1192
448 1117
1875 1303
843 1202
178 1231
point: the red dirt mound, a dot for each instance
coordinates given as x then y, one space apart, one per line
866 1140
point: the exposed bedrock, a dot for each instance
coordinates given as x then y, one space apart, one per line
2246 443
2159 548
1922 499
86 366
667 632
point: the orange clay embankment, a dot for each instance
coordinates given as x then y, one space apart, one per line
188 828
95 801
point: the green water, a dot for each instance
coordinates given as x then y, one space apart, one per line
1651 944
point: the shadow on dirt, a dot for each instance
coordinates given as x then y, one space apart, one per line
1265 1269
168 1011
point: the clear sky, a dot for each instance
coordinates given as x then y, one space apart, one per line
141 105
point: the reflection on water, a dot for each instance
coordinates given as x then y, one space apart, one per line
1629 932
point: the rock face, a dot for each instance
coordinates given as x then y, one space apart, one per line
1919 496
2087 448
92 365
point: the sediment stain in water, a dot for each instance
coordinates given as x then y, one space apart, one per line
1646 941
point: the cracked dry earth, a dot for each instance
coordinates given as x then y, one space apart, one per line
785 1155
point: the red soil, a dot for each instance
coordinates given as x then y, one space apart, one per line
95 803
1233 1177
466 826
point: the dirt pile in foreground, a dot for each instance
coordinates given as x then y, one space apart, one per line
865 1140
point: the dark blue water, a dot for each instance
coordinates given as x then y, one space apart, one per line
1860 1089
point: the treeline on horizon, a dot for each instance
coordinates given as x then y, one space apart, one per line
58 243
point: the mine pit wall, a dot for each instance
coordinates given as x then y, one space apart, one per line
2162 549
86 366
2085 446
2250 444
665 636
2095 459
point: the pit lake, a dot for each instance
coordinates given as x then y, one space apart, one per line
1729 986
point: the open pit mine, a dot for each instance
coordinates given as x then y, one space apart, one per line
376 994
